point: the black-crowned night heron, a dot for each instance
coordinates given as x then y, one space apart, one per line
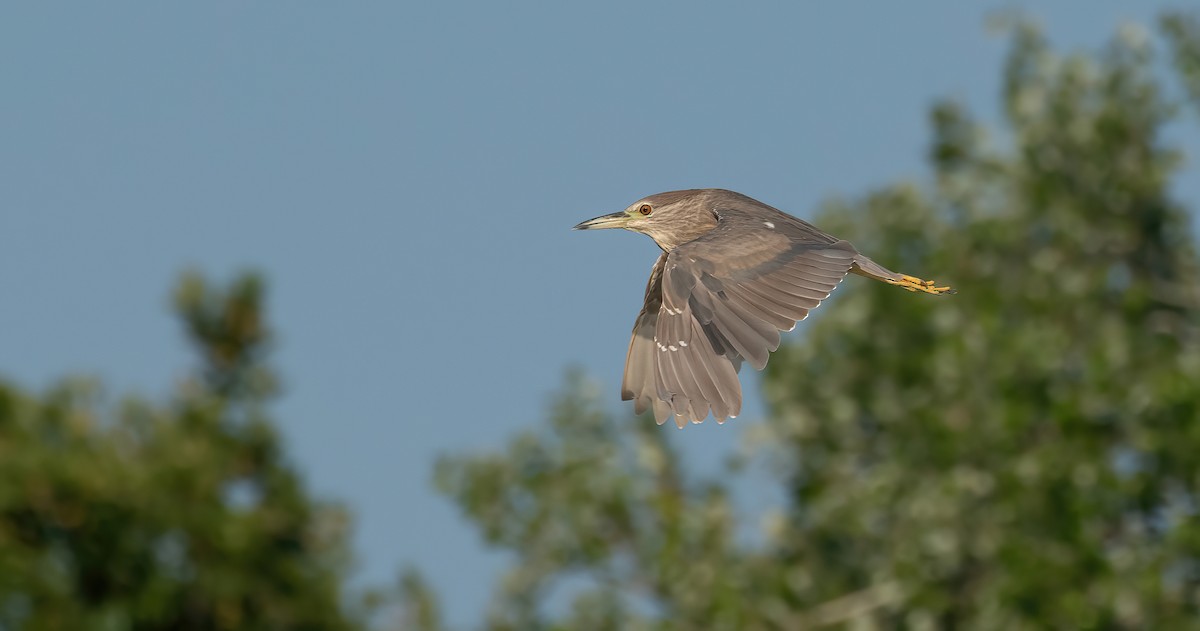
734 272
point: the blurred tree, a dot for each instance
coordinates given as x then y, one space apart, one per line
1021 455
185 515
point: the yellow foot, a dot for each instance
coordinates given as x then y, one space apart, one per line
912 283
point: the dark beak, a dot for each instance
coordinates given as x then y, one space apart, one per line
614 220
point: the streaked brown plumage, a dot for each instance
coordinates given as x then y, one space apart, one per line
734 272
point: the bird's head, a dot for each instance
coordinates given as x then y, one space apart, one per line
671 218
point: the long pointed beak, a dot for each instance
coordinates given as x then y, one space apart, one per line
614 220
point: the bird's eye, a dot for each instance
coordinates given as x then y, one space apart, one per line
645 209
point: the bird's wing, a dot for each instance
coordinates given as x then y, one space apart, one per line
641 370
726 296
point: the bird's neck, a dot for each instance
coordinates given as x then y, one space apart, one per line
670 236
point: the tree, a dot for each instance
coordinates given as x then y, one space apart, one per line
182 515
1021 455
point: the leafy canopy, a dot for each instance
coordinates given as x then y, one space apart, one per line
182 515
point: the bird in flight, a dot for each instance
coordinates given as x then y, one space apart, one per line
734 272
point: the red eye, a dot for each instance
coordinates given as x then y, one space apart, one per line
645 209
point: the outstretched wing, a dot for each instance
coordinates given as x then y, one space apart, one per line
725 297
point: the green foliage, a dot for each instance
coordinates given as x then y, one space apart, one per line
1021 455
183 515
605 499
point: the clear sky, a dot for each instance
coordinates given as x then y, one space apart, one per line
406 175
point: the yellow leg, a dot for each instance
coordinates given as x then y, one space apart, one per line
912 283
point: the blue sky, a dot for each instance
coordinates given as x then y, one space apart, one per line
406 176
